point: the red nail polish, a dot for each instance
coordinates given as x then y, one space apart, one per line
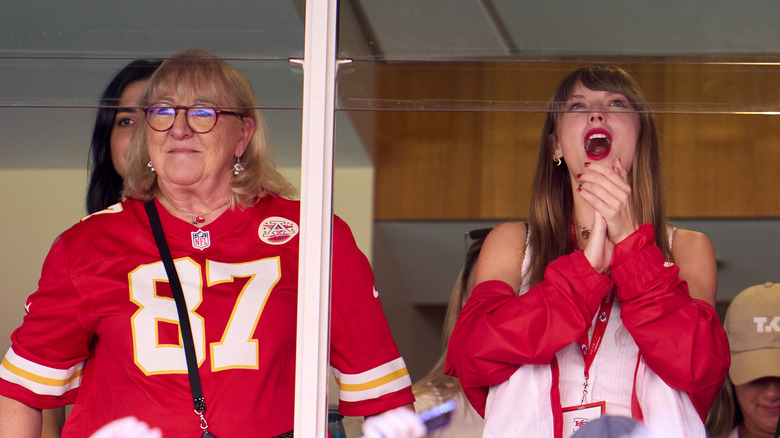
587 164
579 175
579 188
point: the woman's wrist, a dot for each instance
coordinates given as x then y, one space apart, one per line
632 244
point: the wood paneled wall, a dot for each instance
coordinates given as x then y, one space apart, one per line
460 140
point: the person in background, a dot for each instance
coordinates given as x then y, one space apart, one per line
117 118
595 306
437 387
748 405
102 323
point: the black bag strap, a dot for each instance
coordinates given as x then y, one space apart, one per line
184 319
181 306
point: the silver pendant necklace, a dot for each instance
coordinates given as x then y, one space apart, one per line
196 219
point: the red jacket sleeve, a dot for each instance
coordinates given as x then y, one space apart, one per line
497 331
680 338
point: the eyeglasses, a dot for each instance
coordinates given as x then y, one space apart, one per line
200 118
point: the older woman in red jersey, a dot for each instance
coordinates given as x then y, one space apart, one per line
106 328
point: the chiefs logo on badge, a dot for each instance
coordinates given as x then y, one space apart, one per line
201 239
277 230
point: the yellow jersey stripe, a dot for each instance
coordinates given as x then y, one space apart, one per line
375 373
24 374
374 383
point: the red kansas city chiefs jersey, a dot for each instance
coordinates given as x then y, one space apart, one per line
102 329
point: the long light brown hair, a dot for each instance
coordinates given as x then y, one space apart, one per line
551 210
198 71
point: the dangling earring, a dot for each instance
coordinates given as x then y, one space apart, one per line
150 165
237 166
558 161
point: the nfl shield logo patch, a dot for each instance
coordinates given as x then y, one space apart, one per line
200 239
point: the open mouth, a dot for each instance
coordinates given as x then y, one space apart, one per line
597 143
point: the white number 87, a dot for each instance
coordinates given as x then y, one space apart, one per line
236 349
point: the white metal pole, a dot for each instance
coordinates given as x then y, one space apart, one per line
311 368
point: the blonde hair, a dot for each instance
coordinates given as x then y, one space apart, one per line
725 413
197 71
550 213
443 386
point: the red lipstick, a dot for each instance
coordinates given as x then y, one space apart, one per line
598 143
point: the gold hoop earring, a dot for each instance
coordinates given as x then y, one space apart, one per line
558 161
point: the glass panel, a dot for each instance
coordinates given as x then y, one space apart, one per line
450 99
97 29
460 56
56 59
673 85
483 29
64 104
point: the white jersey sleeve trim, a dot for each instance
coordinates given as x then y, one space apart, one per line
374 383
38 378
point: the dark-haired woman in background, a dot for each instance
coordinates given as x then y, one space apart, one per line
117 118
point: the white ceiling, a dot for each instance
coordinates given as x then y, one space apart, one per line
55 57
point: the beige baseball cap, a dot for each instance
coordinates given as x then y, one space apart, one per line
752 323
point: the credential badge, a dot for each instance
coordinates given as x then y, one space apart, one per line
200 239
277 230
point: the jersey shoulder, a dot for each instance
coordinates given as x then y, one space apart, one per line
119 214
273 205
112 228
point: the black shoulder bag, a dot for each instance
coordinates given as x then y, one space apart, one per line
184 320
